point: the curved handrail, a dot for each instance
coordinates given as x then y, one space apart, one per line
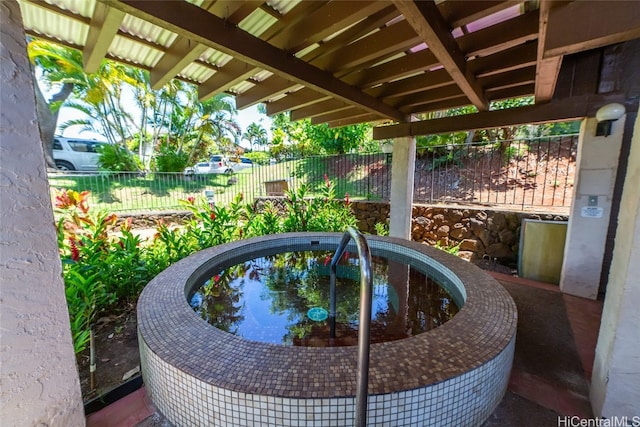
364 333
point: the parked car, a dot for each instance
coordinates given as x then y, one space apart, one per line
240 163
216 165
76 154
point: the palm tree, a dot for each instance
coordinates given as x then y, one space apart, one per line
49 58
255 134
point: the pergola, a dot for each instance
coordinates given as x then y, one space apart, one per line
345 62
387 62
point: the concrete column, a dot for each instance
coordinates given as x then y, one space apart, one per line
402 175
597 164
38 374
615 384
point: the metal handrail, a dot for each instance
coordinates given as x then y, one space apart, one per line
364 333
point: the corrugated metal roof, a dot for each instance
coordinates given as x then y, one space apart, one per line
79 7
61 28
257 23
215 57
241 87
196 72
132 51
283 6
378 62
147 31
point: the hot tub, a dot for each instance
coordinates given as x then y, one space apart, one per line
196 374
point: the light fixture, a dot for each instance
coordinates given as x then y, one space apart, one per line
606 115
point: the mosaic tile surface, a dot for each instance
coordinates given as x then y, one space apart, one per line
198 375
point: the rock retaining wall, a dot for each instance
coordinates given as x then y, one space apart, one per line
480 233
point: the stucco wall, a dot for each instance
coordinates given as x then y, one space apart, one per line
615 387
39 379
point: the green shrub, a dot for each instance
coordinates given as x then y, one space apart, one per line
103 269
117 158
169 160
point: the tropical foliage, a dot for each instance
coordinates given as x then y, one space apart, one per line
171 117
104 269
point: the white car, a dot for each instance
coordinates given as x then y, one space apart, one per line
73 154
217 165
241 163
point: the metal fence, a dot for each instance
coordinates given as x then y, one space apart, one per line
520 174
362 176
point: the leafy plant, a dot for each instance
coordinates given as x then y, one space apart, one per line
116 158
169 160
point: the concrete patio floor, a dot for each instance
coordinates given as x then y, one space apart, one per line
555 347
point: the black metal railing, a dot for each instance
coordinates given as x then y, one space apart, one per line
536 173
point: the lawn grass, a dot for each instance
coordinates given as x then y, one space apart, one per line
131 191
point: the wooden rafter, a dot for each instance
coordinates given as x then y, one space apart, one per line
279 85
458 13
599 24
371 118
339 115
103 27
426 20
319 108
269 88
567 109
198 24
236 70
547 68
299 99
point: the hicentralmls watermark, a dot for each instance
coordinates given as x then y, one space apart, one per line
574 421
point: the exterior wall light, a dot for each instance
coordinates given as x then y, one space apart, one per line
606 115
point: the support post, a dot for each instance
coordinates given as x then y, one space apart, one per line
402 176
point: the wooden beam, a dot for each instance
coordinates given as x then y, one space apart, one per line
430 95
502 36
371 118
229 75
299 99
181 53
508 79
388 41
547 69
220 83
262 91
511 92
374 21
458 13
200 25
103 27
319 108
426 20
566 109
594 24
325 21
351 112
276 85
423 81
446 104
511 59
395 69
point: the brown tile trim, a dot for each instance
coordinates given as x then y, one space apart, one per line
168 326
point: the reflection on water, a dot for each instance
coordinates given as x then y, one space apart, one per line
268 299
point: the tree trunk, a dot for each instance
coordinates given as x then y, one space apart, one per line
48 120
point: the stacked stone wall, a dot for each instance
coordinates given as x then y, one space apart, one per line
478 233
